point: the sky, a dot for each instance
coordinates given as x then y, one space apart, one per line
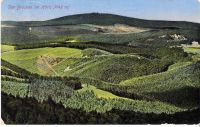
39 10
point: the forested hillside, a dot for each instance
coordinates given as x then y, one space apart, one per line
100 69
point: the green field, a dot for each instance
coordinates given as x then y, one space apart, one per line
195 51
27 58
7 48
99 93
192 50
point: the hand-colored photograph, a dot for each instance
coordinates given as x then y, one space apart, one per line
100 62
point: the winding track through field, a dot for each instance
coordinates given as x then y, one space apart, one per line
50 67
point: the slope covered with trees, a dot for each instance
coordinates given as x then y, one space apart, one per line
80 69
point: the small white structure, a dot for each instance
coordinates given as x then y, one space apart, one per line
85 56
195 43
30 29
67 69
163 36
177 37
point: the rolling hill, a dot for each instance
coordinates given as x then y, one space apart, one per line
101 66
108 19
92 25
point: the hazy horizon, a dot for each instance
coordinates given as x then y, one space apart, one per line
99 13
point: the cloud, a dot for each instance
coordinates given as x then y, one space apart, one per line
198 1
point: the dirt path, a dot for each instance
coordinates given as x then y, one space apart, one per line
50 67
45 64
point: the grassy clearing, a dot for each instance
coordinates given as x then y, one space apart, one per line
99 93
33 53
27 58
192 50
178 65
90 52
196 57
7 48
195 51
117 28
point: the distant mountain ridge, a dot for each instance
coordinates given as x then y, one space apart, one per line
107 19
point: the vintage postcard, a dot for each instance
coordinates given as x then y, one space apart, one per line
100 62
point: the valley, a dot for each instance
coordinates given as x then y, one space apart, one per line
127 69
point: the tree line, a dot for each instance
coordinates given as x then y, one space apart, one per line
30 111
